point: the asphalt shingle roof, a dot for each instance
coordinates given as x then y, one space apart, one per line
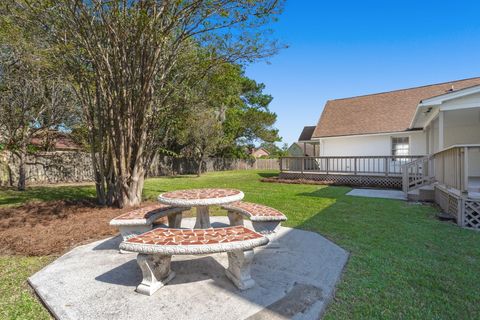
379 113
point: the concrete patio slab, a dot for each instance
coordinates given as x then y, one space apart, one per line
295 278
378 193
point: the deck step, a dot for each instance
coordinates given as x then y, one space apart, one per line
425 193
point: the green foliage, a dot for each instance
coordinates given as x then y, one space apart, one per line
34 97
274 150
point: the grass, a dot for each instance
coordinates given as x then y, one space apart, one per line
404 263
16 298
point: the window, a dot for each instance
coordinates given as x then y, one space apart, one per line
400 146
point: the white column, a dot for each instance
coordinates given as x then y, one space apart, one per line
441 136
465 170
427 137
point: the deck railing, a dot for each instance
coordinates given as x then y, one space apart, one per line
359 165
452 166
417 173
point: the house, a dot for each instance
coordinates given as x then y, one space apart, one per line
259 152
305 146
298 149
425 140
55 141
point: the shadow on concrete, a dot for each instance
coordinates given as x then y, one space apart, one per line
298 299
109 244
127 274
219 225
194 270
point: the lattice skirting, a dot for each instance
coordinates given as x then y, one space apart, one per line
449 203
348 180
471 216
465 211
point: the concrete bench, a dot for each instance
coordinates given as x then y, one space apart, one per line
141 220
265 220
155 249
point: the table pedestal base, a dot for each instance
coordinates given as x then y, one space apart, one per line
203 219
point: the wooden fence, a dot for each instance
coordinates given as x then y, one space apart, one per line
69 166
165 166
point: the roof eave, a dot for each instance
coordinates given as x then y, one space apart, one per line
368 134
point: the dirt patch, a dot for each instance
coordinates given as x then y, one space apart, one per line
45 228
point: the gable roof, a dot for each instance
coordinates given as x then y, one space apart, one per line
306 134
59 141
384 112
428 108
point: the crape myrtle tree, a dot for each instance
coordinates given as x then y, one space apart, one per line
33 98
122 55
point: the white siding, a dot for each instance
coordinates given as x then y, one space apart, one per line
373 145
462 127
474 162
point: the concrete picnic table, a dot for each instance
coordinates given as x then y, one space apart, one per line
201 199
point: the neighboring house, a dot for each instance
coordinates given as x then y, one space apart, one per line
308 146
425 140
259 152
300 150
303 148
55 141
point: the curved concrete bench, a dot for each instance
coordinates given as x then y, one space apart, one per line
141 220
264 219
155 249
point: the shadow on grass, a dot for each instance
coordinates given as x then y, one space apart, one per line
183 176
268 174
9 197
326 192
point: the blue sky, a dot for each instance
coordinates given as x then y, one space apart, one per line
346 48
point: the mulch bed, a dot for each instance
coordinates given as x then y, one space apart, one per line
51 228
300 181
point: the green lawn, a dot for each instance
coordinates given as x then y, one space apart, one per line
403 264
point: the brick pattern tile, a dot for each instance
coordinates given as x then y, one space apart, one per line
144 213
197 194
164 236
256 209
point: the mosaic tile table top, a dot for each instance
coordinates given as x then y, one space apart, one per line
145 215
194 241
200 197
255 211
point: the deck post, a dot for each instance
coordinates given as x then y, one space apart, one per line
386 166
441 123
465 170
303 164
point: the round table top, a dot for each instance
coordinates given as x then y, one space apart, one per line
200 197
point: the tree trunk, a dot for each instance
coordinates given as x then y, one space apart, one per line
21 168
199 167
129 195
